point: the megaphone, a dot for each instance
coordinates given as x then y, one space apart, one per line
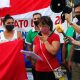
57 5
66 9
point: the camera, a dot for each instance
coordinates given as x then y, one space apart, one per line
66 9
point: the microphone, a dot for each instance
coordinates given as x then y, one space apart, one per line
60 29
64 34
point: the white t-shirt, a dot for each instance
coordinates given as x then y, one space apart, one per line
3 39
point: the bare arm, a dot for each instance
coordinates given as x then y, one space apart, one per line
52 48
70 62
64 48
75 42
75 26
71 52
19 35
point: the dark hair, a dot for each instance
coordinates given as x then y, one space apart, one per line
46 20
6 18
37 14
77 5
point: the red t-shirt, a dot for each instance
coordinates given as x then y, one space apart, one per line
43 66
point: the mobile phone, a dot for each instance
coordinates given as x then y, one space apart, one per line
39 34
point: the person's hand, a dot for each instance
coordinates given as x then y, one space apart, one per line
66 40
43 38
68 17
29 58
33 61
72 40
64 62
69 40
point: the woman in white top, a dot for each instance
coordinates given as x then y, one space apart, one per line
9 34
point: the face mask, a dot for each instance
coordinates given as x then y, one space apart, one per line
45 30
78 17
36 23
9 27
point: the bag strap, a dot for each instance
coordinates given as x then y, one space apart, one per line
55 72
45 57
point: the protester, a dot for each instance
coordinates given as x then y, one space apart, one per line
46 45
33 32
74 61
66 52
11 43
77 15
30 37
9 34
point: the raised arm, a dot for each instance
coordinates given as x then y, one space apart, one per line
74 25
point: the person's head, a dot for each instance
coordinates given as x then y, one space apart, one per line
8 23
77 11
45 24
36 17
77 8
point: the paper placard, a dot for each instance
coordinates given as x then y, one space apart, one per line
32 54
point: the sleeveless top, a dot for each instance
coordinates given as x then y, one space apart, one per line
3 39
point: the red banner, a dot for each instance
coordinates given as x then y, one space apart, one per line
12 65
19 7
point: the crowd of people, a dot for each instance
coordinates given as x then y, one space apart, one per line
71 46
44 42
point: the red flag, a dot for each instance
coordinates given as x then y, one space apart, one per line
12 65
20 7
